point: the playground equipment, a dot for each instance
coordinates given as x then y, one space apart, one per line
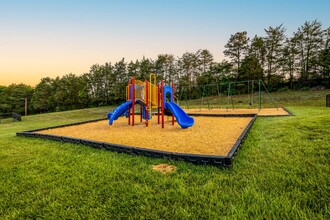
150 96
229 95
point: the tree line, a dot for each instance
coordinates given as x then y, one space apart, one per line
301 60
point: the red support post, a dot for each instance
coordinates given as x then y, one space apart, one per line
133 100
147 102
128 94
163 103
140 113
173 101
158 105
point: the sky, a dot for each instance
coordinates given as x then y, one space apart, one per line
49 38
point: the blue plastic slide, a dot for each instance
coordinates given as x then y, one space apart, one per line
121 110
181 116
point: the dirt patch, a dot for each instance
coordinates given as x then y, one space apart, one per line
263 111
208 136
164 168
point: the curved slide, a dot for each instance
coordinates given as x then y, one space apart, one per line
181 116
119 111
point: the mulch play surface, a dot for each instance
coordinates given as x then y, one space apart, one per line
208 136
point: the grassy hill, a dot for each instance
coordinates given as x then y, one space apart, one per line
282 172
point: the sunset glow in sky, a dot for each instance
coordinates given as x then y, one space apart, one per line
49 38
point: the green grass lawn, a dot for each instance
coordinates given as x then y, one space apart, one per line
282 172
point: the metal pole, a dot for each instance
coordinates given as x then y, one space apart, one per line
158 107
231 98
163 103
252 93
147 103
202 98
129 98
219 96
133 100
180 96
172 101
228 97
189 94
259 97
269 96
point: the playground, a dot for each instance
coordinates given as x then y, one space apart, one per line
284 154
150 96
150 120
